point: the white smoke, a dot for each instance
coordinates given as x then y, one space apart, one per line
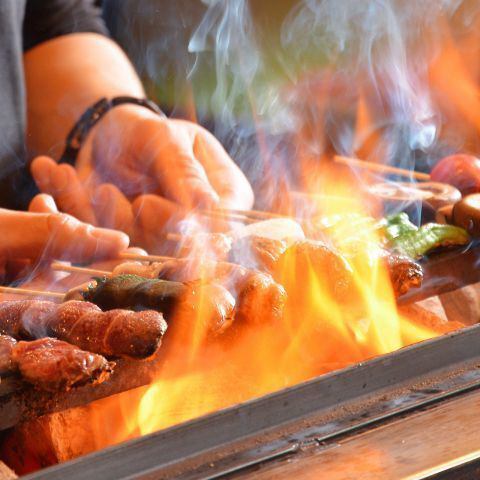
382 46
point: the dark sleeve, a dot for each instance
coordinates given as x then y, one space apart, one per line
47 19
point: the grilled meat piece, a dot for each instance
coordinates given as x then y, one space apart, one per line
7 345
260 300
404 273
174 299
208 305
113 333
258 252
330 270
53 365
271 254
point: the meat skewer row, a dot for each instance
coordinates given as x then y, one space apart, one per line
116 333
277 257
258 298
51 364
180 302
272 244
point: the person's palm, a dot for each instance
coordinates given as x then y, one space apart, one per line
140 173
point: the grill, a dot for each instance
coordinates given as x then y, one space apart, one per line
307 426
426 384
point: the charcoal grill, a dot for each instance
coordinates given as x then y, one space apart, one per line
404 398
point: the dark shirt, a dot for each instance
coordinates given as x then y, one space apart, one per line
23 25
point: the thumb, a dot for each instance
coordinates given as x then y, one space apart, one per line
43 203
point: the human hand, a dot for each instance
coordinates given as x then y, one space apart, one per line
142 153
103 204
43 233
166 167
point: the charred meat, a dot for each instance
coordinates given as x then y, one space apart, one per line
404 273
173 299
113 333
7 345
53 365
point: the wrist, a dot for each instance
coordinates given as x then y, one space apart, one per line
79 134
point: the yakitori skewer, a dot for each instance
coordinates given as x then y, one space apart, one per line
123 293
226 215
380 167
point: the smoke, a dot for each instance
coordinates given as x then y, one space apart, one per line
281 80
340 49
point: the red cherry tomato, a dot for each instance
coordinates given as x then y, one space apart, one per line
461 171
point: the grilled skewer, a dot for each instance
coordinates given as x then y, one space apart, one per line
113 333
179 302
259 298
52 364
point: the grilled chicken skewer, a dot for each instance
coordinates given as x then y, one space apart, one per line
199 301
259 299
115 333
52 364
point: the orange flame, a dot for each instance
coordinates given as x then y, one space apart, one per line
321 331
324 328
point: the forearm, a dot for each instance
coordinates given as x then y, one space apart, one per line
64 77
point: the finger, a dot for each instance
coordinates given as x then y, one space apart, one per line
42 203
224 175
180 176
56 235
154 217
64 185
113 209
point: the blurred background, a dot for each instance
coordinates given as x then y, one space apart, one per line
284 83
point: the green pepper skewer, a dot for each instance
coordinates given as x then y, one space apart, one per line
419 242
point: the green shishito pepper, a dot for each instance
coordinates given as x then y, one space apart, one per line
404 237
135 293
397 225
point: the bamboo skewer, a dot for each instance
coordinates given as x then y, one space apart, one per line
27 292
257 214
379 167
174 237
228 215
61 267
146 258
245 216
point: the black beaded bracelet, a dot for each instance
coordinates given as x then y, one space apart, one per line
91 116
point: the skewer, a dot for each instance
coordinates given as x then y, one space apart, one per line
379 167
257 214
174 237
235 216
148 258
61 267
245 216
27 292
